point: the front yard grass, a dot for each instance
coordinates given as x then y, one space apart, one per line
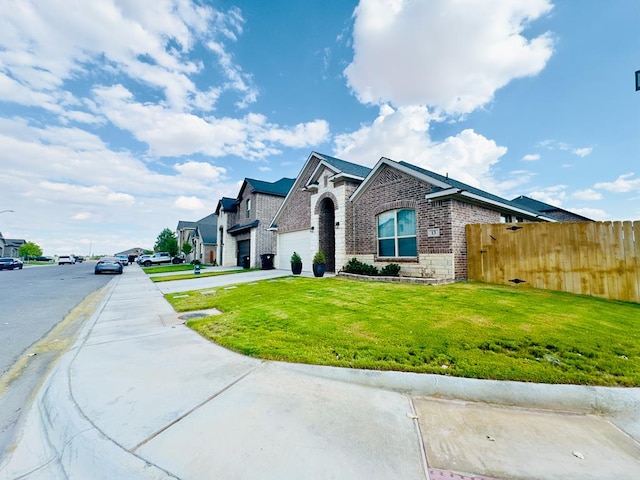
185 276
466 329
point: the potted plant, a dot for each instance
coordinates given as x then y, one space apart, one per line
296 263
319 262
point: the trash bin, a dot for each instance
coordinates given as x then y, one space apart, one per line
267 261
245 261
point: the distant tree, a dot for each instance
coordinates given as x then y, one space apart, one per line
29 250
167 242
187 248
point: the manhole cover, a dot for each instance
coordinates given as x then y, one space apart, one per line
189 316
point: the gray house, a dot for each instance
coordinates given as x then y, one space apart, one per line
202 236
243 221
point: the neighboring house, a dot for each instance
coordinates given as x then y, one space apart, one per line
393 213
11 246
202 236
205 240
185 232
243 221
558 213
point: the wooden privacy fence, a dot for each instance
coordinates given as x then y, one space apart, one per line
590 258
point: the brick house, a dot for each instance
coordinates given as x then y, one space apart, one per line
243 221
202 236
393 213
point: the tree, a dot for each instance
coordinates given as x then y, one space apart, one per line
186 248
167 242
29 250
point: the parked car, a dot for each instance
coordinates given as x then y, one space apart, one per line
108 265
79 259
8 263
124 259
160 258
66 260
140 260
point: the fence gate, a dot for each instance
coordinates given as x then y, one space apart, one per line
601 259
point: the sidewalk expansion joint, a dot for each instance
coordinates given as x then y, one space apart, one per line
421 447
197 407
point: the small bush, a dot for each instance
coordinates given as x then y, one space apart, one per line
295 258
391 270
196 262
359 268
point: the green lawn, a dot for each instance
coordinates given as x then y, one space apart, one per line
168 278
465 329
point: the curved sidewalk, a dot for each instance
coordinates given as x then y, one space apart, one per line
139 395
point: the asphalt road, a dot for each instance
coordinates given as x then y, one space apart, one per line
33 300
36 327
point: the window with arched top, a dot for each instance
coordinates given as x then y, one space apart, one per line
397 233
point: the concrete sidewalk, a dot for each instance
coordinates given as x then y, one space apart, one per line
140 396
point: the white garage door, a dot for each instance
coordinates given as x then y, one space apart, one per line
294 242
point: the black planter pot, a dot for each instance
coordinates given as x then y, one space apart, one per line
296 268
318 269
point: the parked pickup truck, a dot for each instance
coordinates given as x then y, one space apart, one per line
162 257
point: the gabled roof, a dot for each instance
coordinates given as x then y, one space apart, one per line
14 242
345 167
280 187
226 204
446 186
211 219
340 167
208 233
533 204
183 225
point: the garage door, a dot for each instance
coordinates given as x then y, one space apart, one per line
294 242
244 249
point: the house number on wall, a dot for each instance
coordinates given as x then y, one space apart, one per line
433 232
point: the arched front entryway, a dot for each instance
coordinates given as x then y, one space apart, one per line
327 227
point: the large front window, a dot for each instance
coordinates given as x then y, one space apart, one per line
397 234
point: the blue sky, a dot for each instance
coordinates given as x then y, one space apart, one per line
120 118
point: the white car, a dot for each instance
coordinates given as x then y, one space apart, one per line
66 260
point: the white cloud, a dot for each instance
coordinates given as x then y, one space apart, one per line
531 157
403 134
48 43
592 213
172 133
582 152
553 195
587 194
449 55
188 203
623 184
200 170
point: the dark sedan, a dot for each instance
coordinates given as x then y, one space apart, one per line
10 263
108 265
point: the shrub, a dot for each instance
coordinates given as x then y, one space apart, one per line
295 258
360 268
391 270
